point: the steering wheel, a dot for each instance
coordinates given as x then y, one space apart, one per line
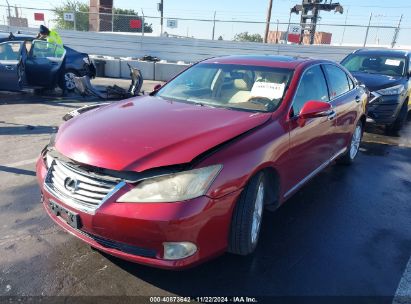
260 100
266 102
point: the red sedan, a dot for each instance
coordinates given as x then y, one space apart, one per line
182 175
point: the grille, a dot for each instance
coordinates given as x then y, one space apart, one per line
77 188
121 246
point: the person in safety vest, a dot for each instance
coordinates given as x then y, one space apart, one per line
49 35
56 48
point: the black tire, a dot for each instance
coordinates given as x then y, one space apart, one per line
240 240
400 120
63 84
348 158
39 92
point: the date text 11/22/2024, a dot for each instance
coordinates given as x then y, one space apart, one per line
177 299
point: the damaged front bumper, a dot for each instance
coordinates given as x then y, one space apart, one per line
139 232
384 109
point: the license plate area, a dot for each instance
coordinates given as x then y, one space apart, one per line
71 218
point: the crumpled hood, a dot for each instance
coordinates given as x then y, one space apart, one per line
148 132
376 82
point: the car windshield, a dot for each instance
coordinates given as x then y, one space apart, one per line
375 64
250 88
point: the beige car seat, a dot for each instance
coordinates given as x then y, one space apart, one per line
239 91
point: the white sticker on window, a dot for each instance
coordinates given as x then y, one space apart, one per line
268 90
392 62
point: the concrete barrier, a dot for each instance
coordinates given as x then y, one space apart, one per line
113 68
187 49
164 71
146 68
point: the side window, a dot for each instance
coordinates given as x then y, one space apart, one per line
44 49
312 87
409 66
351 83
338 80
10 51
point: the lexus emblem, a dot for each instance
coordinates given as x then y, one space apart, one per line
71 184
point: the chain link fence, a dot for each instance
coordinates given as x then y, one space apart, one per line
216 29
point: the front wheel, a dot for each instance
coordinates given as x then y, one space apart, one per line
247 217
400 120
354 147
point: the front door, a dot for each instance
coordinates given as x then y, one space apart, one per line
44 63
11 66
310 145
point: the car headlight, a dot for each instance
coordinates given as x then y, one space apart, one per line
86 60
173 187
395 90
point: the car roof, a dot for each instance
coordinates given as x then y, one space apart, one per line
289 62
383 52
6 35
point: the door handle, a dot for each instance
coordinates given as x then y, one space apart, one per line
357 99
331 115
53 63
9 68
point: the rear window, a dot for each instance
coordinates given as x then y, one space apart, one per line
338 80
376 64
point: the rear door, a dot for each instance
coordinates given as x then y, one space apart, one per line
11 66
44 63
345 100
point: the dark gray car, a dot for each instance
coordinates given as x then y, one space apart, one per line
44 66
387 74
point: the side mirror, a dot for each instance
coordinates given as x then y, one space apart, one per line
313 109
157 87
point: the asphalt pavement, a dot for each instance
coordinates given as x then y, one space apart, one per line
347 233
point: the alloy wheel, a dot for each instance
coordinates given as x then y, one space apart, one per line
69 81
355 142
258 212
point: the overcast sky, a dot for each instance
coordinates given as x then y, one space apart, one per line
356 12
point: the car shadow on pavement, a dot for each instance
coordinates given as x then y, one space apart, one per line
21 129
58 101
17 170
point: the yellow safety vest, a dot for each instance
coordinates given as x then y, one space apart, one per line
55 38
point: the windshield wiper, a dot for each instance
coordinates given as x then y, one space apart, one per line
201 104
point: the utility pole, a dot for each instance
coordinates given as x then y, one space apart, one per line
368 28
9 11
313 6
288 27
142 23
267 26
112 19
345 24
276 34
397 30
160 8
75 20
214 25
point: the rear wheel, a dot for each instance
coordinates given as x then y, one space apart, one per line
354 147
247 217
67 82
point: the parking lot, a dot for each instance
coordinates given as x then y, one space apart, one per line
346 233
